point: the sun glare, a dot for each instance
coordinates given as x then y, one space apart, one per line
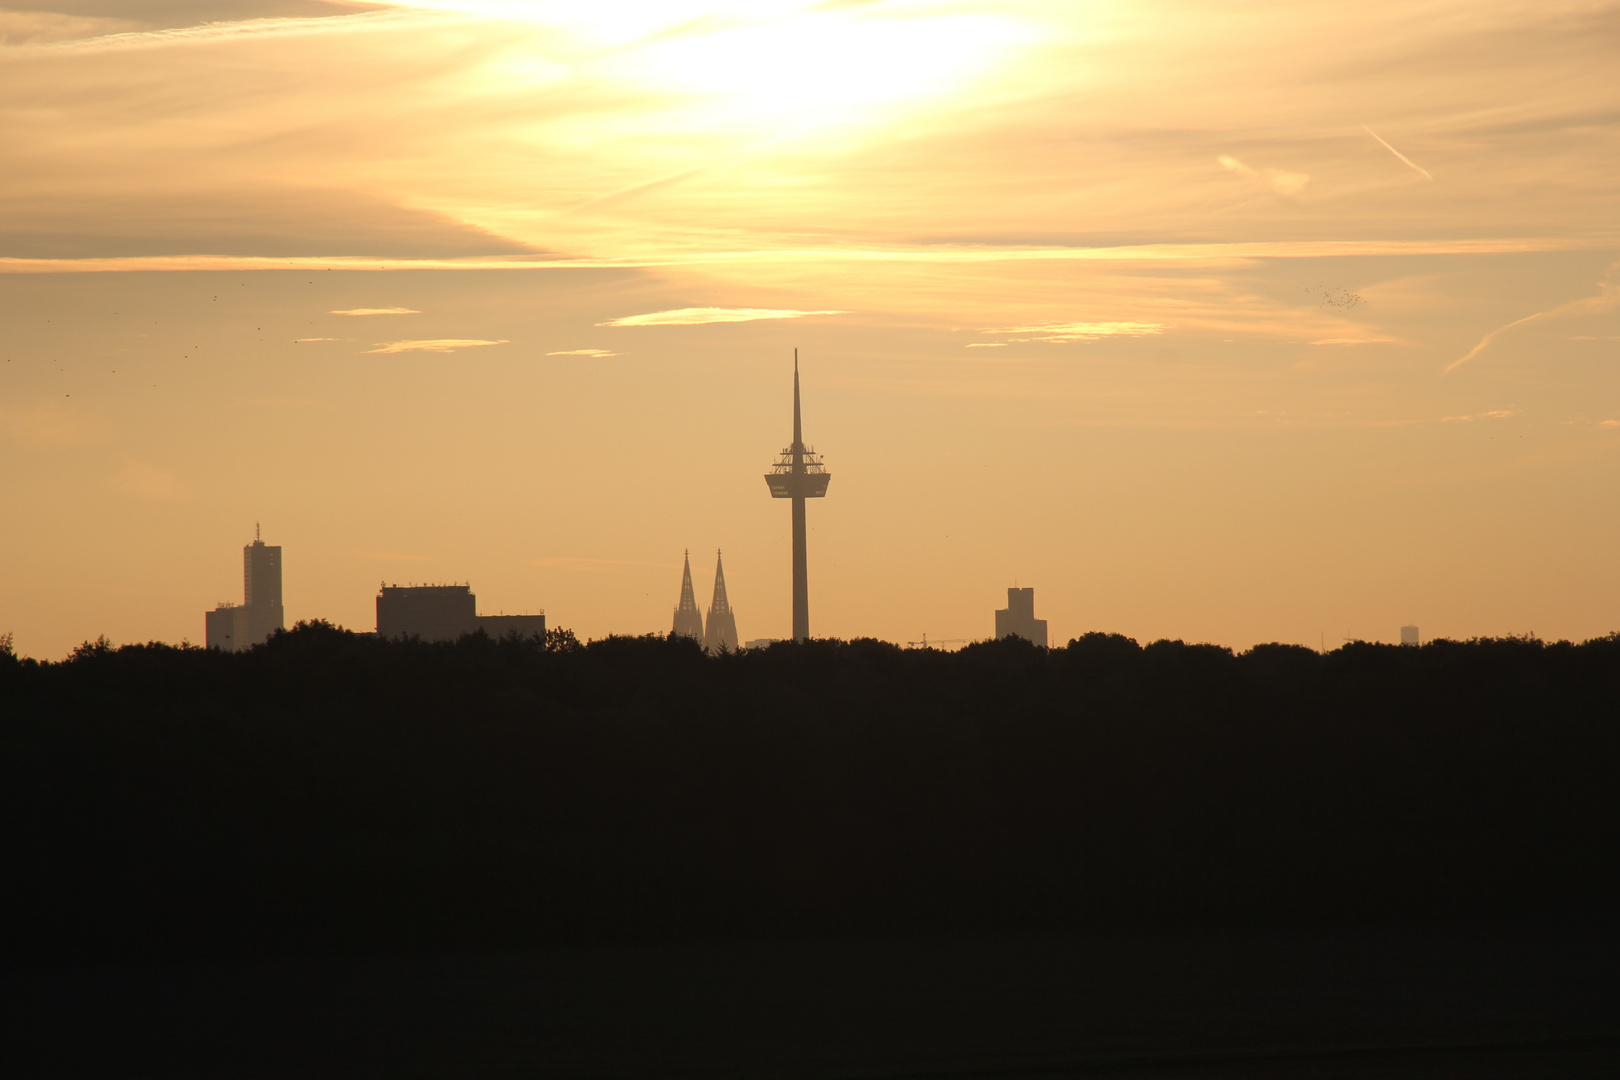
817 67
790 66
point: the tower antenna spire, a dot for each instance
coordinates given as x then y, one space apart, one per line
798 431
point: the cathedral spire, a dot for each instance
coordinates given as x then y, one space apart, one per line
722 628
688 619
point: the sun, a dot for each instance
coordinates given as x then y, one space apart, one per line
794 64
824 66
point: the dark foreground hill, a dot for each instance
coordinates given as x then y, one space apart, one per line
328 792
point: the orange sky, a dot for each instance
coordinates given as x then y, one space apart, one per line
1234 322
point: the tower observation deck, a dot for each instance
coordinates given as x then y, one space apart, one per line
799 475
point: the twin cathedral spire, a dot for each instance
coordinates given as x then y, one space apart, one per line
721 631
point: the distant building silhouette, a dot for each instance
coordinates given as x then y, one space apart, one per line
233 627
1018 619
799 475
1409 635
721 631
760 642
444 613
688 619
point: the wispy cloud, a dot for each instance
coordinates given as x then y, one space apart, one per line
435 345
578 563
149 481
583 352
41 27
1408 162
50 425
299 341
1494 414
986 345
1278 180
697 316
1079 331
745 261
215 32
377 311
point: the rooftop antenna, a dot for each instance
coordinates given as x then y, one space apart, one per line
256 532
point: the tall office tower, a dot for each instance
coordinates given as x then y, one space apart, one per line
721 633
261 589
1018 619
799 475
233 627
688 619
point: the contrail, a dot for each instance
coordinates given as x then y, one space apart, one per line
1408 162
1490 337
1608 296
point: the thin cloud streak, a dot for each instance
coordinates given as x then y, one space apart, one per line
1081 331
1207 253
216 33
377 311
433 345
1408 162
702 316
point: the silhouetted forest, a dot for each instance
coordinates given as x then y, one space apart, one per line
328 791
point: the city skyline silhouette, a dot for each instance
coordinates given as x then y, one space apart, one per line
1292 362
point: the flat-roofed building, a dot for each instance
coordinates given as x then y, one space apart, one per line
219 626
445 613
499 626
1018 619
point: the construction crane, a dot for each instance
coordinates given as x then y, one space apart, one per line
926 644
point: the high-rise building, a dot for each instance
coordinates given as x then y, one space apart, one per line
688 619
233 627
799 475
445 613
1409 635
721 630
1018 619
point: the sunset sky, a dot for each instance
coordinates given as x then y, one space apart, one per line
1224 321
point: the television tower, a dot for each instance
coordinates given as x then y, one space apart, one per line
799 475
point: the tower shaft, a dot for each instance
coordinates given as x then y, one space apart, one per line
801 574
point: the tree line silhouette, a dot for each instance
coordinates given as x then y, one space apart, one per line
329 791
